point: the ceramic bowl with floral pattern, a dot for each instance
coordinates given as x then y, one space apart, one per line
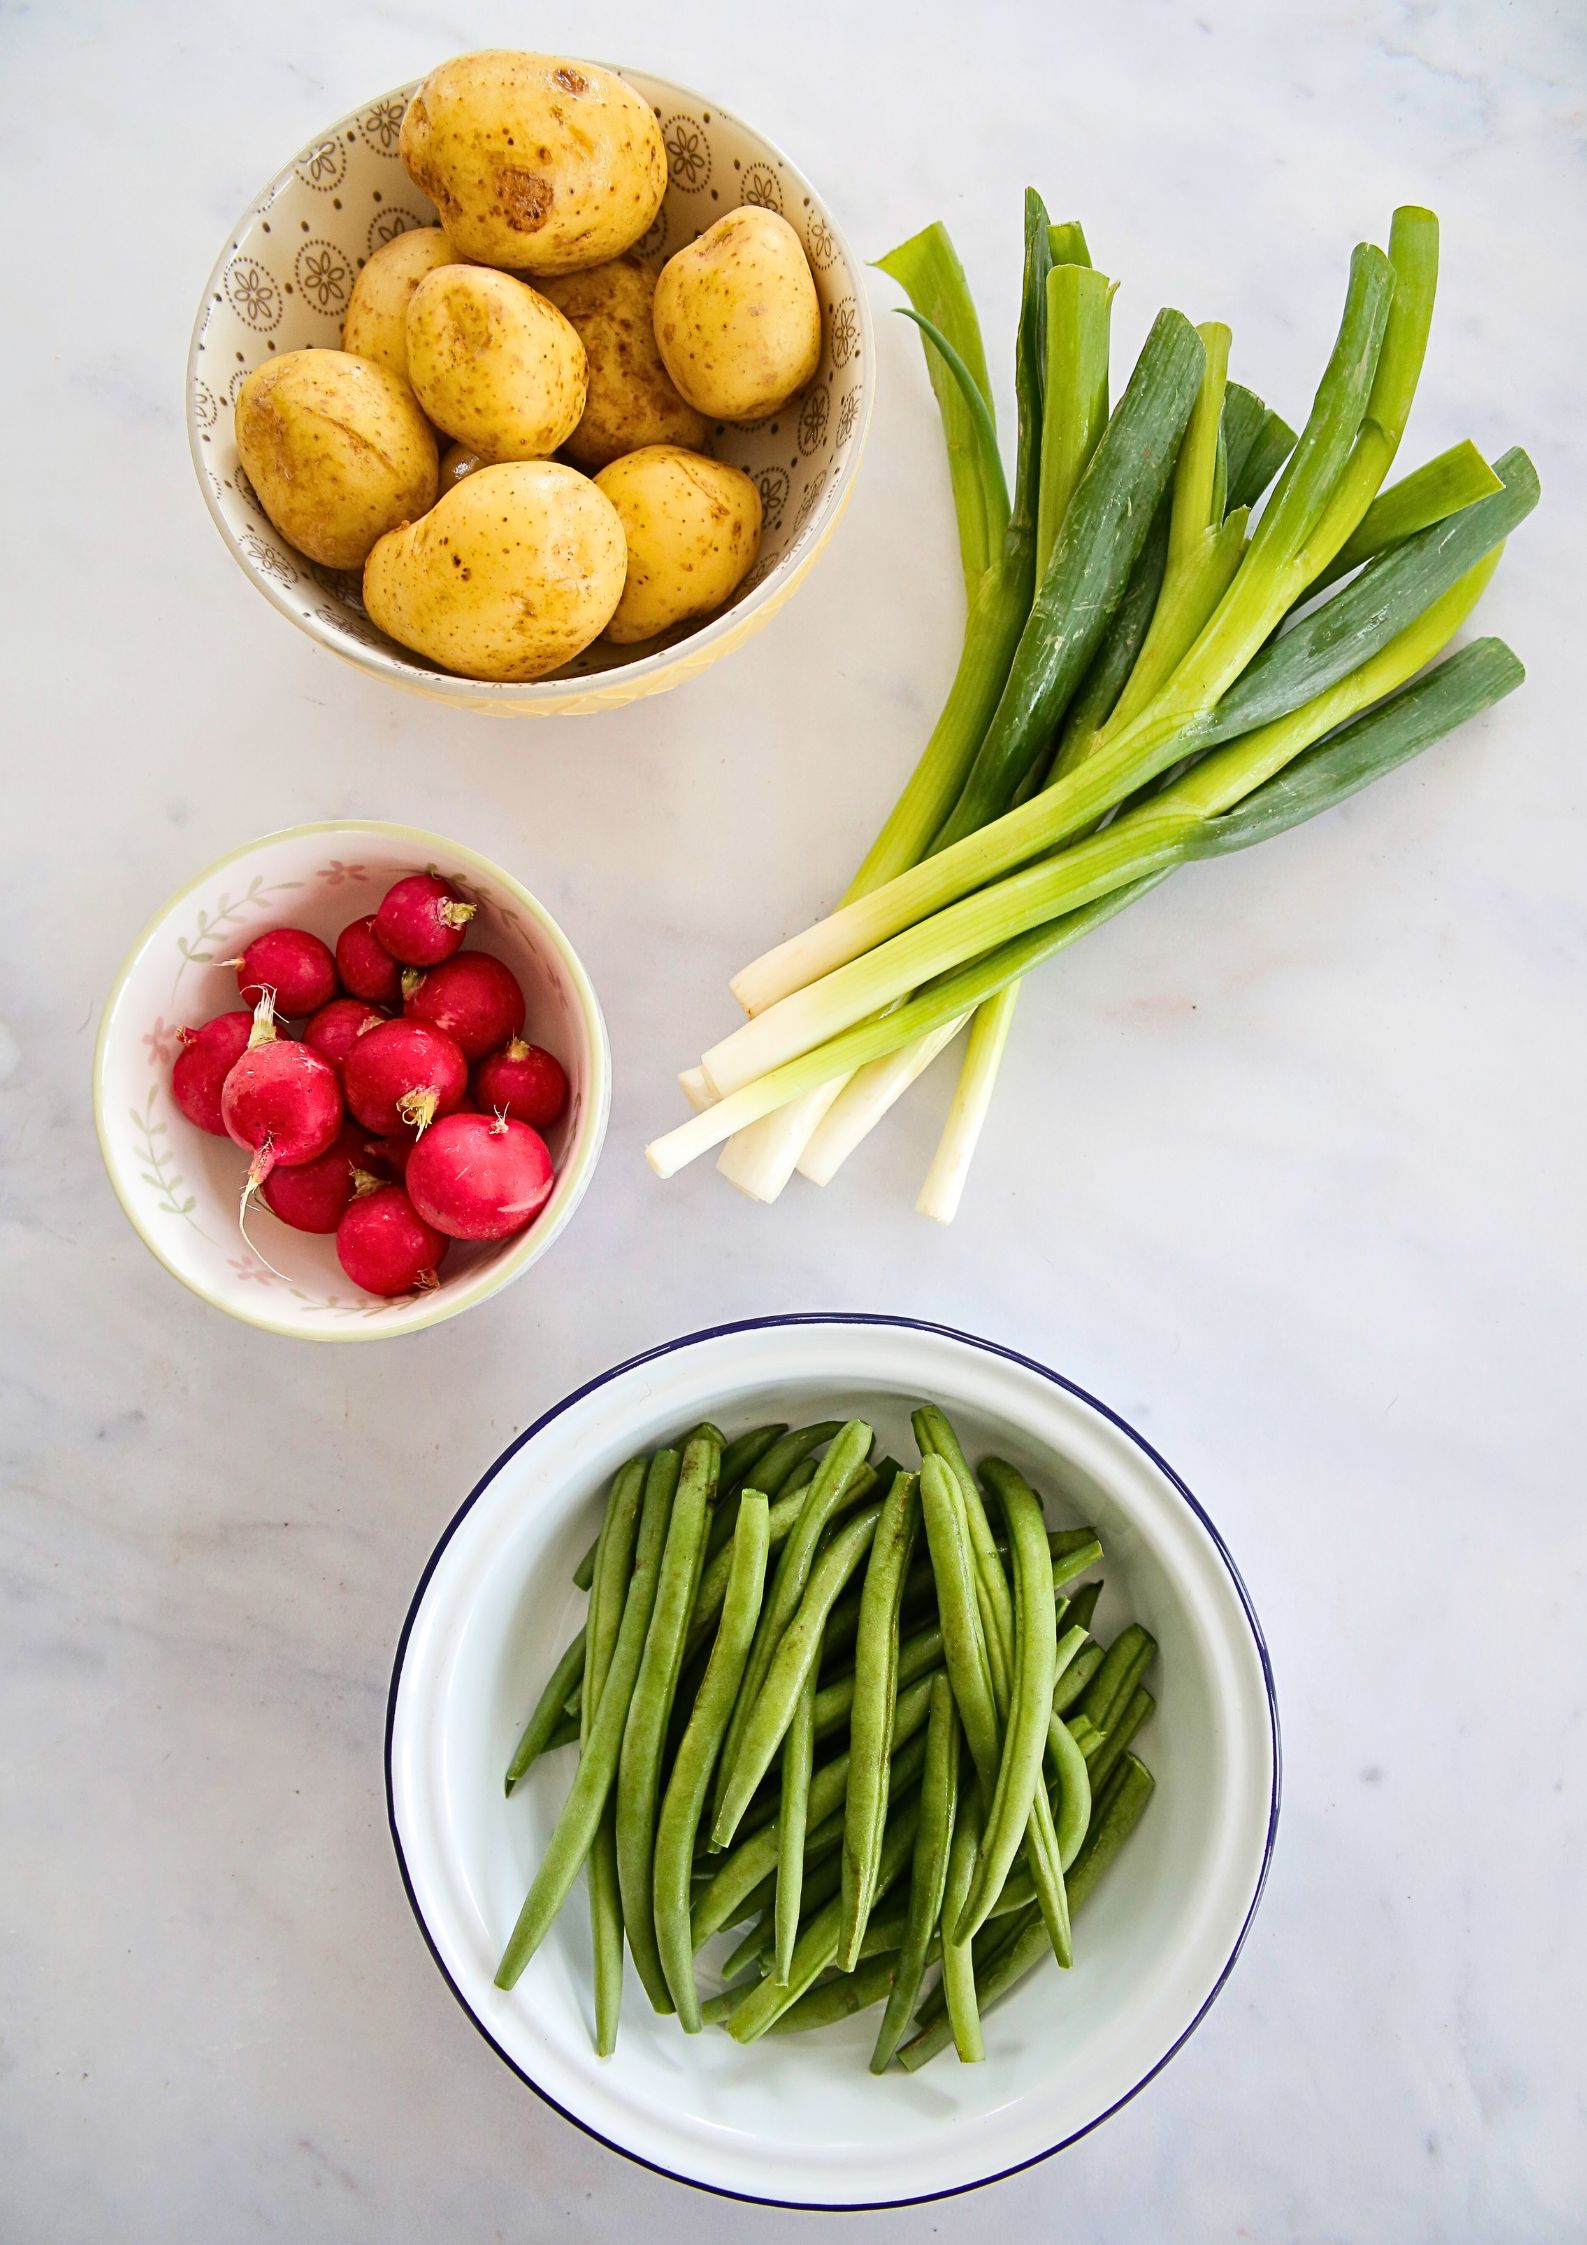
282 284
180 1187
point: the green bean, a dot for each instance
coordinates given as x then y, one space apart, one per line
614 1564
691 1771
917 1656
798 1755
1015 1495
739 1460
1083 1605
738 1876
548 1712
606 1931
958 1967
939 1793
776 1467
614 1556
1124 1726
963 1639
1084 1734
1066 1565
1073 1788
981 1706
933 1432
832 2000
565 1734
772 1710
639 1768
818 1943
713 1581
1073 1550
576 1827
743 1454
871 1716
716 2009
839 1469
1032 1668
885 1931
1128 1658
1075 1678
1119 1811
584 1572
921 1651
749 1950
1069 1764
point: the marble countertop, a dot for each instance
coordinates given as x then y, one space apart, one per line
1287 1166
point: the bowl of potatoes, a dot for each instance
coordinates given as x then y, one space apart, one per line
533 386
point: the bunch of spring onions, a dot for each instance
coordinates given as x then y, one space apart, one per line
1160 664
858 1711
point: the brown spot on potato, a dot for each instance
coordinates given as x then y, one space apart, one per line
524 198
571 81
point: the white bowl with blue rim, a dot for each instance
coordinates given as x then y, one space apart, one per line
798 2120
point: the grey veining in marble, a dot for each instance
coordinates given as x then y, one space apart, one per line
1304 1197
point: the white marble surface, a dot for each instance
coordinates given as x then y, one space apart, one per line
1286 1165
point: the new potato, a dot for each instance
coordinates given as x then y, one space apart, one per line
376 326
457 461
692 528
493 363
336 449
534 162
515 571
632 400
737 318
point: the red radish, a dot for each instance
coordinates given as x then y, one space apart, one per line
421 920
523 1081
479 1176
366 967
205 1060
313 1197
474 998
336 1028
385 1246
294 966
281 1100
401 1075
388 1157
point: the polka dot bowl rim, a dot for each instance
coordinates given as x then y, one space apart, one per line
679 656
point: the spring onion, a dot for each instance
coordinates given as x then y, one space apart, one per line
1167 666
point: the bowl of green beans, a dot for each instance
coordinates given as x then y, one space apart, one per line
822 1730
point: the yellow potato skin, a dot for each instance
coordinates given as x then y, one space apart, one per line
376 326
738 321
337 450
692 528
457 461
631 400
535 163
493 363
515 571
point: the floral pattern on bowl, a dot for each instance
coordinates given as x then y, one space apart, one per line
180 1187
283 284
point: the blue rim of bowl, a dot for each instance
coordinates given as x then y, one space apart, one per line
523 694
989 1348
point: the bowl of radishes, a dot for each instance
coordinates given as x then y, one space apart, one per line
351 1080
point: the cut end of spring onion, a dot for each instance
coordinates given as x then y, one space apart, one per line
760 1161
695 1088
872 1092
